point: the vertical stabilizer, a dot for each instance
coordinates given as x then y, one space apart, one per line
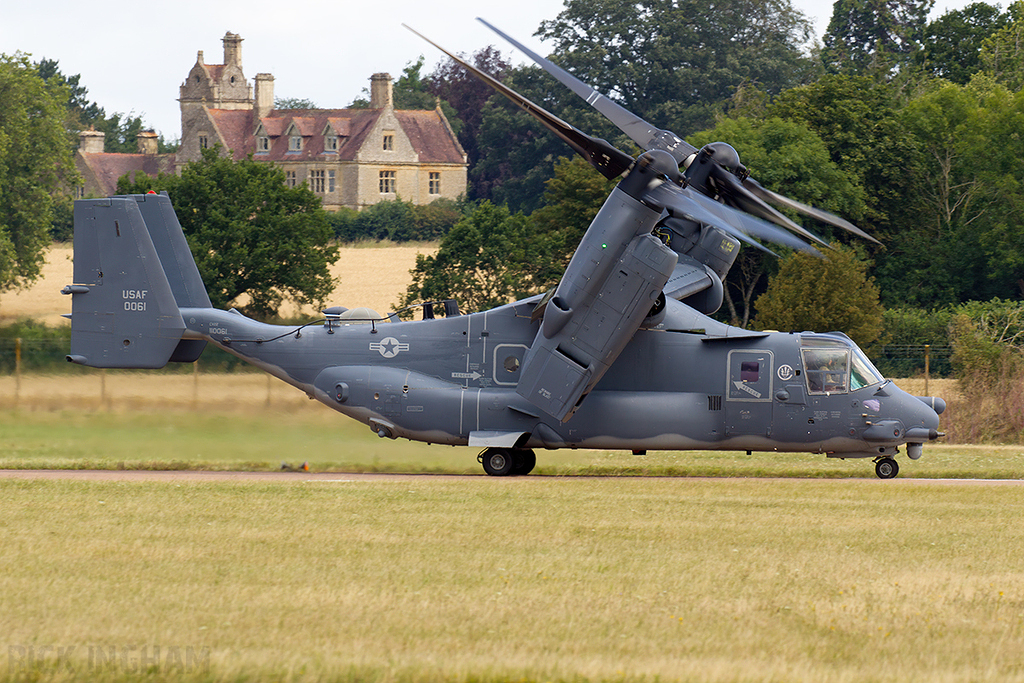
123 312
178 264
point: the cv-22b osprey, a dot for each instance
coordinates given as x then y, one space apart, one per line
620 355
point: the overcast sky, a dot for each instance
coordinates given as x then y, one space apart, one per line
133 59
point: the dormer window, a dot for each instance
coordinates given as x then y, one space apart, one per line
389 142
294 143
330 143
263 144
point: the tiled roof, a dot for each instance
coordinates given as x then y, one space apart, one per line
430 137
427 132
340 126
107 168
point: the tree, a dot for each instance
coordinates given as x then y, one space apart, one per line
467 94
249 233
823 295
874 35
1002 53
572 199
517 154
294 103
36 163
77 104
968 240
858 120
791 159
486 260
397 221
121 130
674 63
953 42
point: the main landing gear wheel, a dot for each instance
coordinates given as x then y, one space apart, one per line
526 460
504 462
886 468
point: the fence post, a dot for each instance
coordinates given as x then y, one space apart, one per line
17 372
926 348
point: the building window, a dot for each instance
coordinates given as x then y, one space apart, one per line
387 182
331 143
330 181
435 183
80 192
290 178
389 142
295 143
263 144
317 181
204 142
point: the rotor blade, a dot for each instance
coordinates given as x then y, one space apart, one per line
696 207
638 130
823 216
602 155
732 190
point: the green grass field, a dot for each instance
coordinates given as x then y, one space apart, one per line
261 439
821 573
529 578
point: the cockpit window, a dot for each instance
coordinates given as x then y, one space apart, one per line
836 367
827 370
864 373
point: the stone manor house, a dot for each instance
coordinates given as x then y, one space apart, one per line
349 157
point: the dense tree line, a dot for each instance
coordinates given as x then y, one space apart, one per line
907 127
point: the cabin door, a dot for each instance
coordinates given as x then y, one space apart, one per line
748 395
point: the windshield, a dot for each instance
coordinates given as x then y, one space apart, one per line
864 373
836 367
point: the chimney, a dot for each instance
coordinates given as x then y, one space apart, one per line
148 142
199 57
232 49
91 141
381 91
264 95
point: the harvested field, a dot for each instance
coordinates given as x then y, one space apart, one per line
372 275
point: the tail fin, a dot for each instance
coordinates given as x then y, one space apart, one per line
124 311
178 264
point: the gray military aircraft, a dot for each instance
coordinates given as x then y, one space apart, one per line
620 355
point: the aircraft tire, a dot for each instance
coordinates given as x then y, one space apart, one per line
525 460
499 462
886 468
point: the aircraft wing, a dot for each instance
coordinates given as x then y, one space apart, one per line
688 277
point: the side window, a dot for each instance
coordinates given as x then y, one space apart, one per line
749 371
827 370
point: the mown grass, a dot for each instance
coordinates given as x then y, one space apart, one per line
263 442
262 438
488 579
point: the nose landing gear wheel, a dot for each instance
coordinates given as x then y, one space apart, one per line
504 462
886 468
